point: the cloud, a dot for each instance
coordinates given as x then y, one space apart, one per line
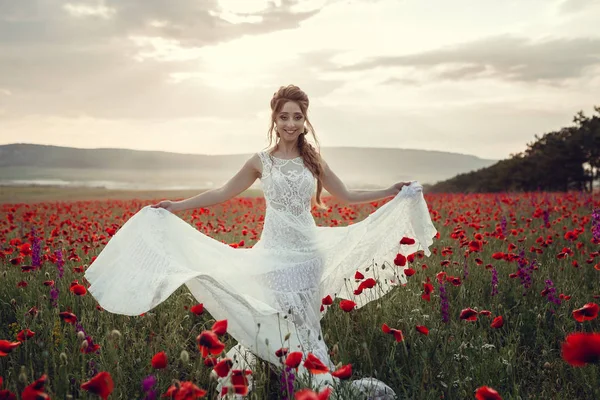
504 57
575 6
87 57
83 10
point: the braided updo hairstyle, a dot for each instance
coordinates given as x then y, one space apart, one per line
310 155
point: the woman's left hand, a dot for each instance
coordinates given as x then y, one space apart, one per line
397 187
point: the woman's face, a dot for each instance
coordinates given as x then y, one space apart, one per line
290 121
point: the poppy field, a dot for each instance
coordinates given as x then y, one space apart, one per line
506 307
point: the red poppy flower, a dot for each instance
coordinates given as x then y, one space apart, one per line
210 361
197 308
586 313
366 284
48 283
293 359
347 305
486 393
282 352
498 256
6 347
101 384
396 332
314 365
497 322
159 361
406 240
487 313
79 290
24 335
222 367
409 272
358 275
581 348
68 317
400 260
422 329
208 343
186 391
468 314
343 372
35 391
239 381
307 394
475 245
327 300
220 327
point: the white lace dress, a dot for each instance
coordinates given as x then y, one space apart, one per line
274 288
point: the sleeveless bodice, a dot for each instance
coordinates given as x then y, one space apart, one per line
288 188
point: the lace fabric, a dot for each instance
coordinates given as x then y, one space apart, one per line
275 287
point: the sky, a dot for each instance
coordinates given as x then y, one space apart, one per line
479 77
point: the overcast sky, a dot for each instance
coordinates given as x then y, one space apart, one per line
477 77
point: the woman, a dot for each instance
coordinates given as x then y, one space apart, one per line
271 293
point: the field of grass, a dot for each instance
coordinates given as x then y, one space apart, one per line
530 259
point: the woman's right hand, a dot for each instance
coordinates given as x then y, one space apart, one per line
166 204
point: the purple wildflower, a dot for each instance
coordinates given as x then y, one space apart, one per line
287 383
444 302
35 250
90 345
79 328
494 281
523 272
148 382
546 215
92 366
596 224
54 296
550 290
503 224
151 395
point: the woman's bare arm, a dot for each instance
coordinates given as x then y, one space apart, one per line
336 187
245 177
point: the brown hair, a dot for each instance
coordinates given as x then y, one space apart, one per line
310 155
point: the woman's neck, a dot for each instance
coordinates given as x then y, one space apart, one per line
287 149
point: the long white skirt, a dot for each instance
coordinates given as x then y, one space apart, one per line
264 293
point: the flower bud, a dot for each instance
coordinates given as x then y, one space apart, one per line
115 334
23 375
80 335
184 356
63 358
84 345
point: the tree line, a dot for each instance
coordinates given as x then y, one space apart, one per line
559 161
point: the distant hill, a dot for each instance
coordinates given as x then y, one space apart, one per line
358 167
